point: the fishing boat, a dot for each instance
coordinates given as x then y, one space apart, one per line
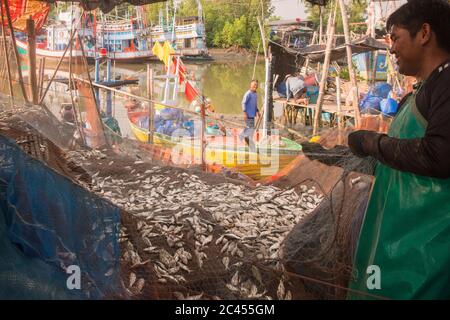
189 37
267 158
186 34
122 36
54 38
117 37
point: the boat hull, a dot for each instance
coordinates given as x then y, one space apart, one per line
221 151
77 55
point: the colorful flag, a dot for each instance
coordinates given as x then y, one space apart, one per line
167 51
181 71
21 10
158 51
190 92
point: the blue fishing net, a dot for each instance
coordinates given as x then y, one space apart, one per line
48 223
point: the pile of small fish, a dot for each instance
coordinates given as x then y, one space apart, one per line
174 211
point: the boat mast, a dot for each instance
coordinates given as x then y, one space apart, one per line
175 3
200 12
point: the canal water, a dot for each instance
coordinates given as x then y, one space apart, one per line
224 83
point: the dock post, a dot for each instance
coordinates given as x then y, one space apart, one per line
203 142
31 39
97 79
108 92
151 121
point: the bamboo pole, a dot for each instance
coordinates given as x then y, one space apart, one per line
256 60
313 40
374 67
320 24
151 123
338 101
31 41
203 142
71 87
16 53
325 67
85 64
130 95
351 70
57 67
5 51
41 76
267 57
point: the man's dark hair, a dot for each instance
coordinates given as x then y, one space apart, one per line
413 14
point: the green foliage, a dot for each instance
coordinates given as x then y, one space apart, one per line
227 22
356 12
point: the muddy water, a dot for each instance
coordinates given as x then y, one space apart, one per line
224 83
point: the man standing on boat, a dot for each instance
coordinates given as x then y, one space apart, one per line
403 249
250 109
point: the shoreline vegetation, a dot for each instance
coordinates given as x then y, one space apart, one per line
234 53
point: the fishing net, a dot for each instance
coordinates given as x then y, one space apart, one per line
161 228
41 238
322 245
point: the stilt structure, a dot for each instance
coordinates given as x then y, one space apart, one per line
326 65
351 70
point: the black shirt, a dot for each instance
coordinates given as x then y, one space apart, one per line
430 155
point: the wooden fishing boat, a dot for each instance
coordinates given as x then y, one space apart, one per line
267 158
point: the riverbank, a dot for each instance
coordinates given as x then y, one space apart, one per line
234 54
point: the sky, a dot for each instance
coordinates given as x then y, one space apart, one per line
291 9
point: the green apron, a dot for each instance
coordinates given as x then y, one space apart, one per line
406 230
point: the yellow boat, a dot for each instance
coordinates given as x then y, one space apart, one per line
229 151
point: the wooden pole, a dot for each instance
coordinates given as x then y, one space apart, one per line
351 70
256 60
267 80
203 142
16 53
72 87
97 109
338 101
325 67
6 53
151 123
57 67
374 67
31 40
313 40
41 76
320 24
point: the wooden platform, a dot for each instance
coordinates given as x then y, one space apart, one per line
306 112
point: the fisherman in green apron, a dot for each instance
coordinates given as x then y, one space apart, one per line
403 250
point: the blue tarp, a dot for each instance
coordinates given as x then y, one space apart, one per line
48 223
